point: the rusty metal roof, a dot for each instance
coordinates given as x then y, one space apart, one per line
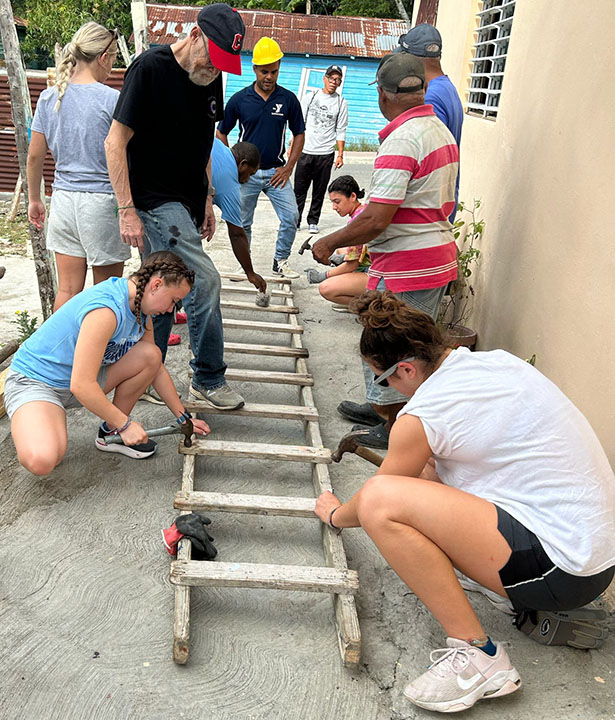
296 34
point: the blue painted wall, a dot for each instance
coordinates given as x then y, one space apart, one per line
365 118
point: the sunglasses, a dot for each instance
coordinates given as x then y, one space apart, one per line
382 378
114 36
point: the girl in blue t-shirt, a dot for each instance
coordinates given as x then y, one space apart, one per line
100 340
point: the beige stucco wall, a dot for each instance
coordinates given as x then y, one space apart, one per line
545 171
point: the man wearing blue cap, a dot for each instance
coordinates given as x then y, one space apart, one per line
425 42
171 99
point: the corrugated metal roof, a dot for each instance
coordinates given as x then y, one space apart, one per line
296 34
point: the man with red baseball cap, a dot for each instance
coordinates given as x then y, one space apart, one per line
158 155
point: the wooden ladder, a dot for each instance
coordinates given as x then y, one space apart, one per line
334 577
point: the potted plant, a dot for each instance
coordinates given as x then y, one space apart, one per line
457 304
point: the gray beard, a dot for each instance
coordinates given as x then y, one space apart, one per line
202 77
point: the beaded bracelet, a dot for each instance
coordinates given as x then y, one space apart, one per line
117 431
122 207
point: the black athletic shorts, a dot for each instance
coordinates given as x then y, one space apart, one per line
531 579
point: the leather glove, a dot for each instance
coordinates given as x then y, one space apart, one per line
193 526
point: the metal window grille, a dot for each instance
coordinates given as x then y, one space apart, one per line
490 50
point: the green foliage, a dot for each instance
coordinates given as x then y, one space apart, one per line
457 305
361 144
371 8
25 324
56 22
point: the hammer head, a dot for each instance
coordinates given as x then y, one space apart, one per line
349 443
186 429
306 246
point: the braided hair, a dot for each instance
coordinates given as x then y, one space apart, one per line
393 330
346 185
167 265
87 44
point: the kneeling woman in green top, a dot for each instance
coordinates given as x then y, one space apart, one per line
100 340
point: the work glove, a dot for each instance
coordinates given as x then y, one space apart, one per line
315 276
580 628
193 527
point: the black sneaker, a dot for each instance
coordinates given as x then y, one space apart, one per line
362 413
139 452
377 437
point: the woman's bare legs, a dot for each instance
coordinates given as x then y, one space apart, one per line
424 530
104 272
71 277
132 374
39 433
342 288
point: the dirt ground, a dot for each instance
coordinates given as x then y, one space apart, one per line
86 606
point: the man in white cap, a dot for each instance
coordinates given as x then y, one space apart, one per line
263 110
326 120
158 154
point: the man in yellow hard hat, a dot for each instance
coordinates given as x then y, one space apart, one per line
263 111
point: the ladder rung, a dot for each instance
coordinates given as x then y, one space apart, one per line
280 309
273 350
271 577
246 504
267 278
282 412
256 325
251 290
269 376
291 453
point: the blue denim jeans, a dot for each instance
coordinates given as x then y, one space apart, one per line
429 302
170 227
284 204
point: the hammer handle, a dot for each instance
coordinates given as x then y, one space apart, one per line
156 432
369 455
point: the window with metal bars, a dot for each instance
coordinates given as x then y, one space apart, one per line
489 61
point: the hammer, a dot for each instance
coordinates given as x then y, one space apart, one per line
186 429
306 246
351 442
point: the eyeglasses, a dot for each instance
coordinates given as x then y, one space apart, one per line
114 36
382 378
332 79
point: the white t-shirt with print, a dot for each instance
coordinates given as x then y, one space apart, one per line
502 431
326 120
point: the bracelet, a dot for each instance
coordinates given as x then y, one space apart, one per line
122 207
330 523
184 417
117 431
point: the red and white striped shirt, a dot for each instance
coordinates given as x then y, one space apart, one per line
416 169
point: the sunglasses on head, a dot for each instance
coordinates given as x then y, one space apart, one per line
114 36
382 378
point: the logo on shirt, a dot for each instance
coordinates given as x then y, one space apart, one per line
276 109
213 105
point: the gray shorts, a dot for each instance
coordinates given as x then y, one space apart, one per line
429 302
84 224
20 389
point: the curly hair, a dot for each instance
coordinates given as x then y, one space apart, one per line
393 330
167 265
86 45
346 185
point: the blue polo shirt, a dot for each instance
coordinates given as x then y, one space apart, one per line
225 179
263 122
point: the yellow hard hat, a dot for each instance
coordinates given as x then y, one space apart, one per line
266 51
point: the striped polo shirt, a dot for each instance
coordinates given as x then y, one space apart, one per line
416 169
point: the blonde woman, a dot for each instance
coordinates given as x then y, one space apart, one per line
72 120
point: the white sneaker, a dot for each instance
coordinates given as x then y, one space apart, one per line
341 308
313 229
460 675
282 267
501 603
150 395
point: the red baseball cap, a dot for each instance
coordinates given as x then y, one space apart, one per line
225 31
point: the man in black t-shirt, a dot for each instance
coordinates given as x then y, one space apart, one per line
158 154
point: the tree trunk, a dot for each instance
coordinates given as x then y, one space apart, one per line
403 14
21 110
138 11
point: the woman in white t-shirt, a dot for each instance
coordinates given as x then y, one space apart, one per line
493 472
72 120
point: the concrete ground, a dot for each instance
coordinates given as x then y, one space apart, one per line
86 606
